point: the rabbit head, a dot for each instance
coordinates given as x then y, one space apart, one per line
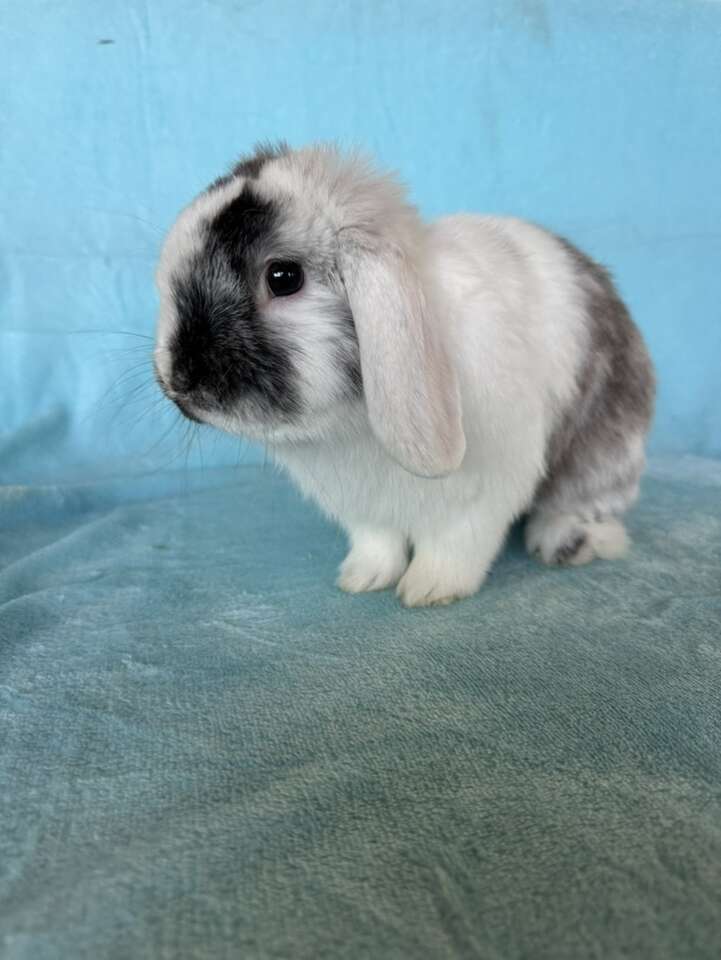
294 301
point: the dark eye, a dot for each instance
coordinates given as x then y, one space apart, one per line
284 277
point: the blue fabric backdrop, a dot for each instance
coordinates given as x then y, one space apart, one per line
600 119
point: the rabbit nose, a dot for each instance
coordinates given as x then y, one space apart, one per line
186 409
160 379
190 374
180 382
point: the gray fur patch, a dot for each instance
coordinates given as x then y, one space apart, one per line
349 356
588 457
222 351
251 165
567 551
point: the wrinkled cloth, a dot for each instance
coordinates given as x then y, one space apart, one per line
208 751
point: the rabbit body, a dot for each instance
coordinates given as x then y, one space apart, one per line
449 377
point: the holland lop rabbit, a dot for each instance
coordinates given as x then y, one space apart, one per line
426 384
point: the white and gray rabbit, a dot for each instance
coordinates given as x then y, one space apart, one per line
426 384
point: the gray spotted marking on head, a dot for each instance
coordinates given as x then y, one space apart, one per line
221 348
251 165
233 350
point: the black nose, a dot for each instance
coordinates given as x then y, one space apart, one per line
208 362
203 382
196 366
172 391
185 381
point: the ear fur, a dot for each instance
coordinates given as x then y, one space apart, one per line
410 384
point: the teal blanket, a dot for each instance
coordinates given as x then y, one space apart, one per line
208 751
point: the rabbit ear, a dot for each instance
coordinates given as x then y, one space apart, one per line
409 382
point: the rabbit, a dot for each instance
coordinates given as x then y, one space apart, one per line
426 384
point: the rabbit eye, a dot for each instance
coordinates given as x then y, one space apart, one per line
284 277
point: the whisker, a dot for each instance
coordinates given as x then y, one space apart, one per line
200 453
128 216
179 453
151 450
110 331
125 383
191 433
241 445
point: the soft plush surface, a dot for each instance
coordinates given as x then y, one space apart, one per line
208 751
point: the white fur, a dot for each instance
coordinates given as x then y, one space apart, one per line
471 334
377 559
512 324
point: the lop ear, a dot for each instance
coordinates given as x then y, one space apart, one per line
409 381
